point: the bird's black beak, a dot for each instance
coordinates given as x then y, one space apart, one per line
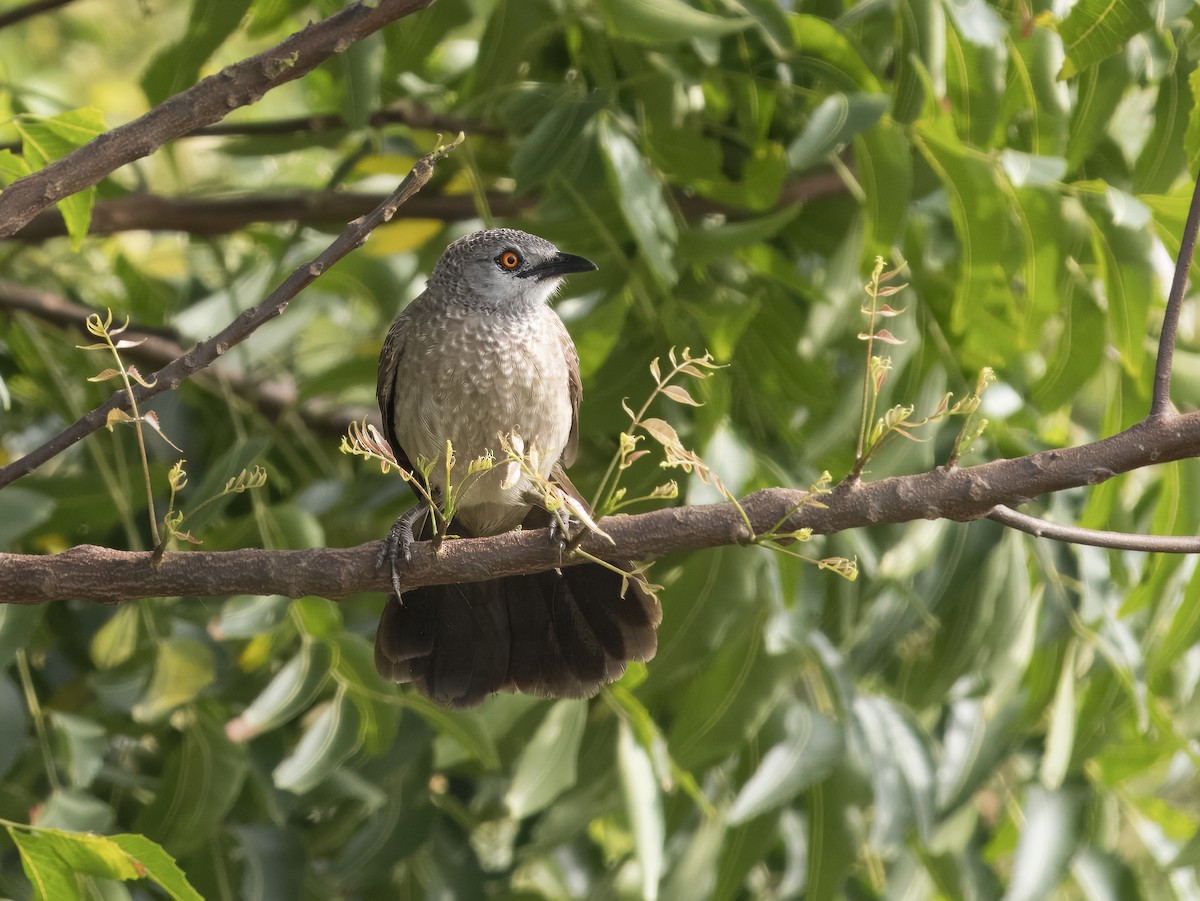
560 264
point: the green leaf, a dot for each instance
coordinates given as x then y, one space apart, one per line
157 865
703 243
17 625
52 878
1096 29
333 736
248 615
177 67
643 806
46 139
554 141
93 855
293 690
546 766
84 743
1050 835
1060 736
726 703
885 171
52 858
116 640
21 511
1164 156
825 51
69 808
201 780
12 723
12 167
838 119
666 21
641 198
464 726
813 748
901 768
183 667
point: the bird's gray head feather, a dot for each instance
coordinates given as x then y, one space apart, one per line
503 270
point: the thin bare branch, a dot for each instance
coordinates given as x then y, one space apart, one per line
202 104
204 353
156 348
1120 541
28 10
1160 403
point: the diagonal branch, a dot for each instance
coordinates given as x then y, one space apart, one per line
202 104
36 7
158 347
204 353
961 494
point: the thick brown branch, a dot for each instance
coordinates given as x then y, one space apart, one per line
221 215
106 575
202 104
158 347
204 353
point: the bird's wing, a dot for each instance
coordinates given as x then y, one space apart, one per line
385 389
576 391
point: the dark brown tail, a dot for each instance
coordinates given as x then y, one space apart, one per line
558 634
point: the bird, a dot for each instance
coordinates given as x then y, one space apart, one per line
478 358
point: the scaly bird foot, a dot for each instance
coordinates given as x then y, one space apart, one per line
399 541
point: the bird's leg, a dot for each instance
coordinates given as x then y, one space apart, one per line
399 541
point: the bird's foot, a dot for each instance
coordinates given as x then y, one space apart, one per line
566 531
398 543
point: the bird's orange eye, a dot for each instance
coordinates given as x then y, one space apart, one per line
510 259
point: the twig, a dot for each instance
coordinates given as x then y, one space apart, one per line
159 346
1120 541
204 353
202 104
13 16
1160 404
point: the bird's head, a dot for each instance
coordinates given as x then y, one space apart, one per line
504 269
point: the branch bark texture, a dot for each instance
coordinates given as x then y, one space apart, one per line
204 103
111 576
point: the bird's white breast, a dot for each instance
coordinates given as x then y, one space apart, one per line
469 376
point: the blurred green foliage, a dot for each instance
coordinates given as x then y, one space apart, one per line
980 715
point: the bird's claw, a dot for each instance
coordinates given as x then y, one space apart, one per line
563 531
399 543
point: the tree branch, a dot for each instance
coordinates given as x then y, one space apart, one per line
204 353
402 112
110 576
222 215
158 347
21 13
1161 398
1119 541
202 104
